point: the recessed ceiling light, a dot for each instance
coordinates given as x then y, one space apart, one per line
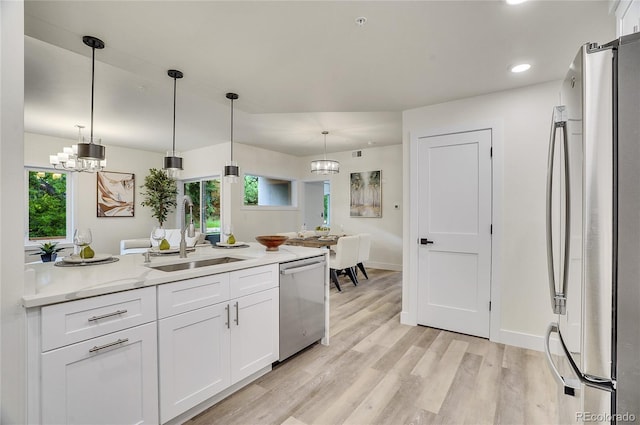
361 21
512 2
520 67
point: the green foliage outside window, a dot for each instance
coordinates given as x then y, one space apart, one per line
250 190
47 205
211 208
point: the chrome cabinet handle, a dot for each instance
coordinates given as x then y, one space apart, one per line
237 320
558 297
111 344
104 316
228 317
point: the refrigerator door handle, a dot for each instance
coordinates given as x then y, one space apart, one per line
567 389
558 297
603 384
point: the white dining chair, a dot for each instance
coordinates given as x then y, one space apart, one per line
363 251
345 259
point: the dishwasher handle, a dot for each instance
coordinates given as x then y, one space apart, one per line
293 270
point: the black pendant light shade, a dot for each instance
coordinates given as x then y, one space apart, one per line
88 155
231 169
173 161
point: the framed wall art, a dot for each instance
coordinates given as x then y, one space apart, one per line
366 194
116 194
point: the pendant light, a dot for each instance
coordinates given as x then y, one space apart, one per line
86 155
231 169
325 166
173 161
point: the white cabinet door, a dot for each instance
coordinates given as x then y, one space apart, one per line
254 333
194 358
106 380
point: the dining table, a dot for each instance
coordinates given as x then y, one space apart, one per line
314 241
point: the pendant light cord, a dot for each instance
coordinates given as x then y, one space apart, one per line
93 73
173 148
231 130
325 147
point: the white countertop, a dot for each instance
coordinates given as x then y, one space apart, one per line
49 284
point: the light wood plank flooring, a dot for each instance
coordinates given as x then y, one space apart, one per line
377 371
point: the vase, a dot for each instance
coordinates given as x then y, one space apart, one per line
46 258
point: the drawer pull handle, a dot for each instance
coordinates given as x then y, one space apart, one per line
228 317
111 344
104 316
237 313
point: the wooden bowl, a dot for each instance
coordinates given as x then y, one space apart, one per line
272 242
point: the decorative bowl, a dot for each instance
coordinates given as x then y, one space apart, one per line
272 242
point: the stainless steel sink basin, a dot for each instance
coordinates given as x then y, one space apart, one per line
195 264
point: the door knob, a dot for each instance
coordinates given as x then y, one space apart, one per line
425 241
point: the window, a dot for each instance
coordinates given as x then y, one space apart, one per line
48 205
205 195
267 191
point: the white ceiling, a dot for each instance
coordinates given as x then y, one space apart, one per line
300 67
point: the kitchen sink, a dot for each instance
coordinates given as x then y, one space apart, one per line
195 264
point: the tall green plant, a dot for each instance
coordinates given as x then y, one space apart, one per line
160 194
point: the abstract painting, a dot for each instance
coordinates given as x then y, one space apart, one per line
366 194
116 194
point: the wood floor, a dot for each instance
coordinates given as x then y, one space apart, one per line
377 371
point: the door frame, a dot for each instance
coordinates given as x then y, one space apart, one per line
410 229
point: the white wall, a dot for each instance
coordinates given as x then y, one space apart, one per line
386 232
525 115
12 339
107 231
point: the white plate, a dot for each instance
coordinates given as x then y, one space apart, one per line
76 258
229 244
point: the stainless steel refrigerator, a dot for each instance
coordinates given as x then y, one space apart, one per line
593 235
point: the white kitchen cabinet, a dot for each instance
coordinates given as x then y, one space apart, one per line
194 358
254 333
110 379
206 349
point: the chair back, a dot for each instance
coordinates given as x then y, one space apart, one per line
365 247
346 253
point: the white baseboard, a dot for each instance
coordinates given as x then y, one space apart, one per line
528 341
405 319
384 266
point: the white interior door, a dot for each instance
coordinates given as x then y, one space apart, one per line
313 204
454 226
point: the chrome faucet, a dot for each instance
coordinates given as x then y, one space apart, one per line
186 201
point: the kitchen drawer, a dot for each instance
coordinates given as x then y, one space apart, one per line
256 279
71 322
186 295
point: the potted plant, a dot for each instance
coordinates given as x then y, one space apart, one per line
48 251
160 194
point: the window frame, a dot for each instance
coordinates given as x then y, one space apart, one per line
181 217
71 183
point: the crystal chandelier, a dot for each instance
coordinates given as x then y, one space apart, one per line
325 166
85 156
69 160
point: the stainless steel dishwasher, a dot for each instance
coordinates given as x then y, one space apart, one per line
302 310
